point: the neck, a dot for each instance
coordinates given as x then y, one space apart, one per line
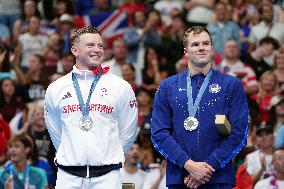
266 92
20 166
231 61
7 99
279 175
193 69
144 110
267 150
268 23
35 75
120 61
280 119
130 168
84 67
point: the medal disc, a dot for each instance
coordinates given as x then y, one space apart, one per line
190 123
86 123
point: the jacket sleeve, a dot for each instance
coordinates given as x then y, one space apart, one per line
52 119
238 117
127 118
161 127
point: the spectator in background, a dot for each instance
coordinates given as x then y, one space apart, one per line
279 140
120 53
181 65
41 162
52 53
66 63
266 28
20 173
10 102
101 6
34 83
172 47
259 162
29 9
5 34
279 69
156 178
5 63
255 59
144 102
62 7
154 71
276 117
222 29
128 74
5 134
143 34
276 180
268 87
132 6
29 43
199 12
232 65
130 172
65 27
37 129
166 9
9 12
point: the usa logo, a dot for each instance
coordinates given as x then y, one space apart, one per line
214 88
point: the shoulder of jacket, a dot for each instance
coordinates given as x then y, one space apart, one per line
59 83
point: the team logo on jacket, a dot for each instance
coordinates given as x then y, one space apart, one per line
104 92
214 88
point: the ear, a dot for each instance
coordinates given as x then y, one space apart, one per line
185 52
28 150
74 51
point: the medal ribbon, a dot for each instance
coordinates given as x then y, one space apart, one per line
192 107
27 175
85 107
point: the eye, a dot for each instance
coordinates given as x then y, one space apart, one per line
194 44
100 46
206 43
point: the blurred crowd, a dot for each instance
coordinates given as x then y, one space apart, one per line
248 37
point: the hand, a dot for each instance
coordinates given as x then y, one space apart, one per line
190 182
9 183
262 161
200 171
163 168
2 56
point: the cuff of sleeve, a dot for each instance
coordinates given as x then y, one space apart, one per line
182 161
213 162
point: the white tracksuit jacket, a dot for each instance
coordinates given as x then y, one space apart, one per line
113 110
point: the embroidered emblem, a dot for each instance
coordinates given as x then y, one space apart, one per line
133 104
180 89
214 88
104 92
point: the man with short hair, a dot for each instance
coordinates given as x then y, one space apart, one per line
277 179
222 28
259 164
232 65
20 174
256 58
131 173
183 127
91 116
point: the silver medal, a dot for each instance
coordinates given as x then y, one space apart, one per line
190 123
86 123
